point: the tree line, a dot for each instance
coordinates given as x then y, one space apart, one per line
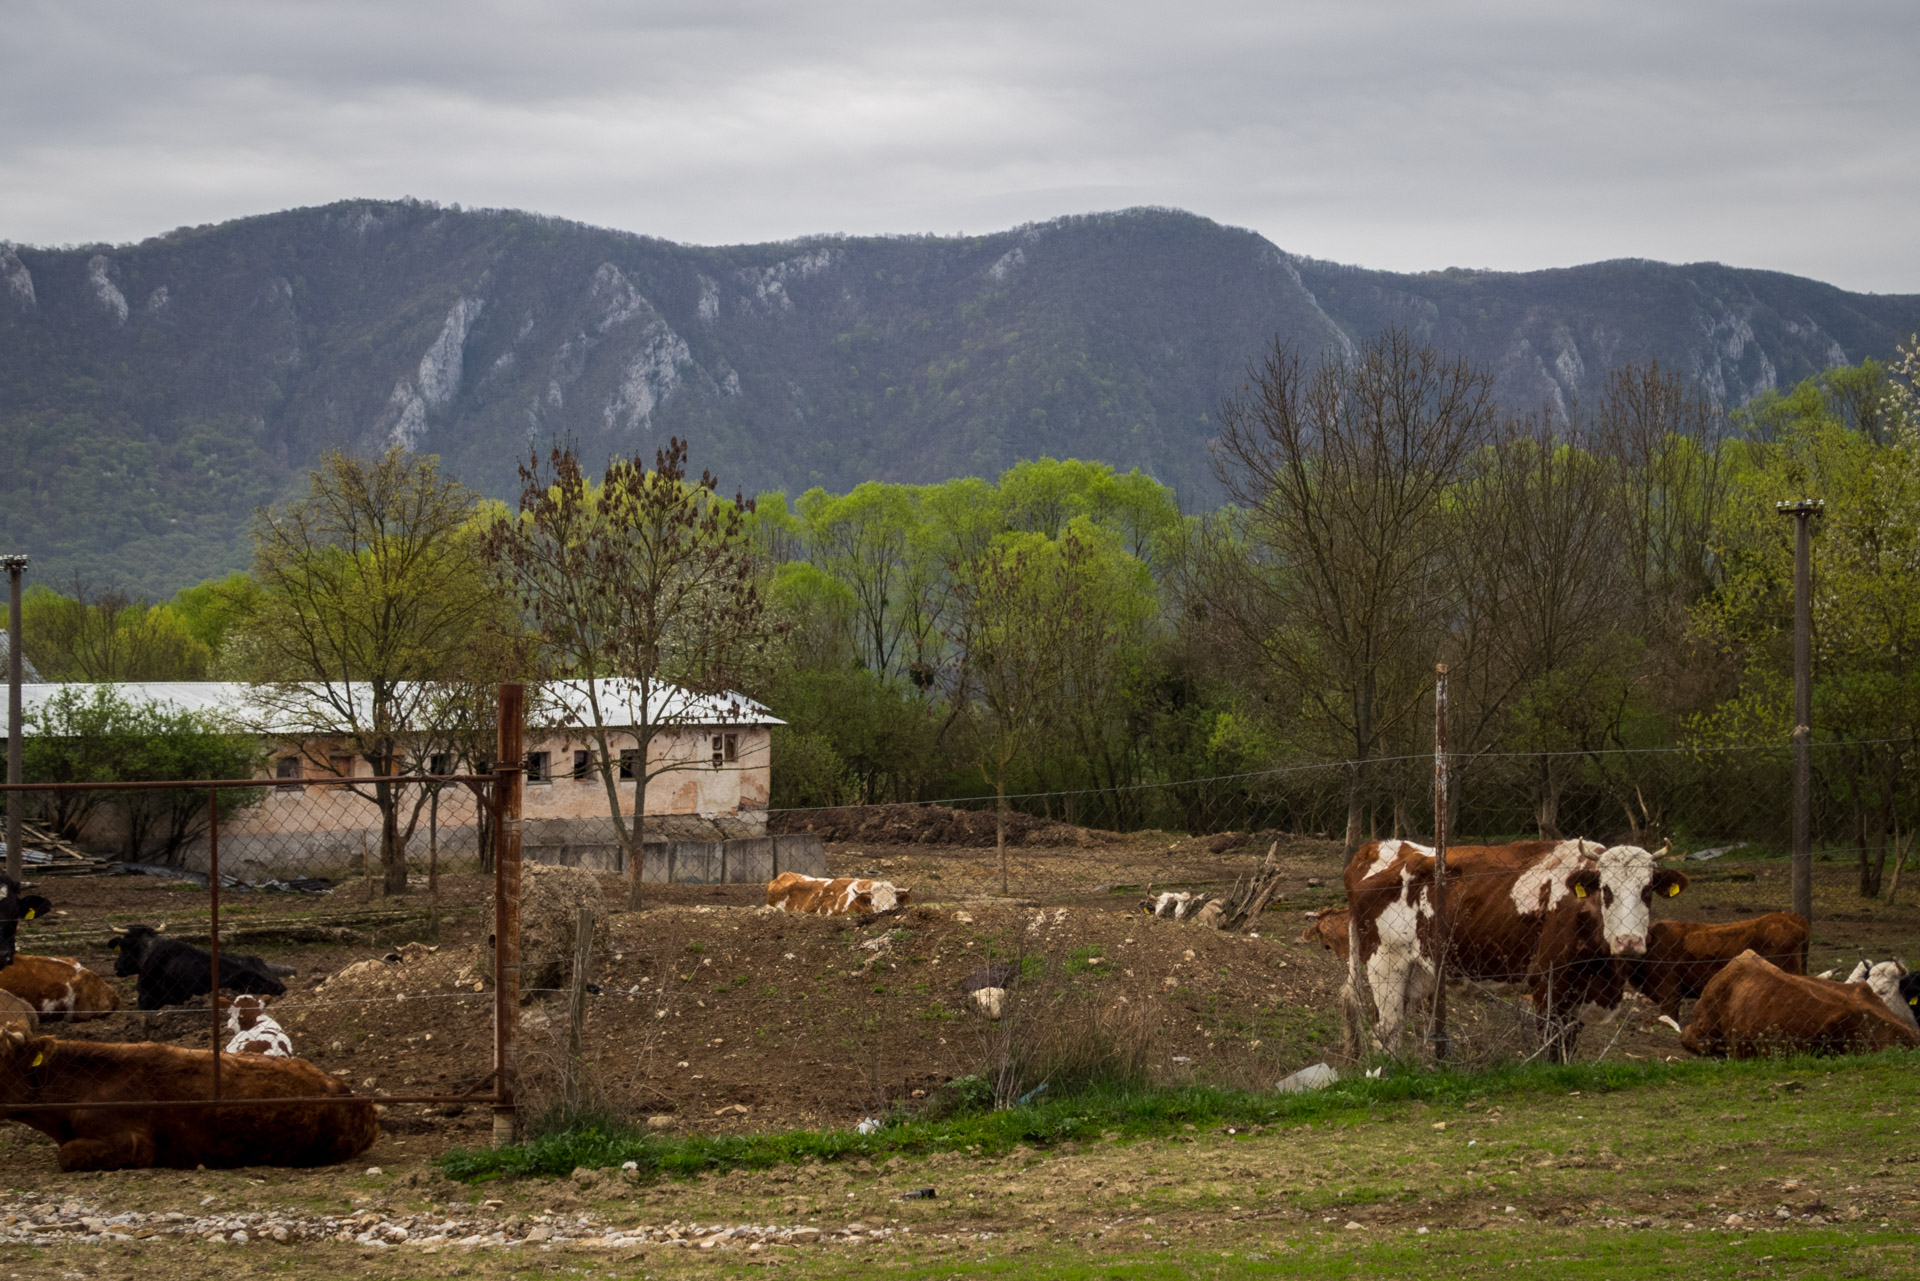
1608 583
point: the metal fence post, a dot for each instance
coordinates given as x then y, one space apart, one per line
213 924
16 662
1441 1044
508 777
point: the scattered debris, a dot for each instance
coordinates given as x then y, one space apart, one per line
1315 1077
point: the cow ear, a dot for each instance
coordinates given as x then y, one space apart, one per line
1583 882
1668 883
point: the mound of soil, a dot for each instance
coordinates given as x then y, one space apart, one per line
933 825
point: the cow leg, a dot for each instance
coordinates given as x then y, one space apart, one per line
125 1148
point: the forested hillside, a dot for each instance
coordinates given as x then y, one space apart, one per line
151 395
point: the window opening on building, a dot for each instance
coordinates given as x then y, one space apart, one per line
341 765
582 763
539 767
629 762
287 767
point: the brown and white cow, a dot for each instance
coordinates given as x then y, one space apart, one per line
51 1083
59 988
1328 928
1683 956
254 1030
841 896
1752 1008
1553 915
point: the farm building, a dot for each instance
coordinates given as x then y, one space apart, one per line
707 778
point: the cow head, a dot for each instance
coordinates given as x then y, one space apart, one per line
244 1011
1626 879
20 1054
130 949
16 907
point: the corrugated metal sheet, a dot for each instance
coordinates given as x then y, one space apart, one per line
556 705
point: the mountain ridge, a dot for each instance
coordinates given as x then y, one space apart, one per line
151 394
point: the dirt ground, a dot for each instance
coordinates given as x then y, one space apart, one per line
720 1016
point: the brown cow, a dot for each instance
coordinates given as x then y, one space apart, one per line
1683 956
1328 928
59 988
1550 914
1752 1008
842 896
54 1080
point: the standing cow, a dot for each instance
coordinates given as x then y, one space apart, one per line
1551 914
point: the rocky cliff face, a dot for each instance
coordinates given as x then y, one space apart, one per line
151 394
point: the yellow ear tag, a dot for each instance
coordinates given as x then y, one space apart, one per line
38 1059
29 915
1672 890
1579 891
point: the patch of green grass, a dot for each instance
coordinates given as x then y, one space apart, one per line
1081 961
1128 1114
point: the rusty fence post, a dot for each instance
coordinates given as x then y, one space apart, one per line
16 665
507 787
213 924
1442 1045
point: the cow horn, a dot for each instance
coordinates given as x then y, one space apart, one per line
1666 850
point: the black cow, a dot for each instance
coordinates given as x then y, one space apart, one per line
16 907
173 973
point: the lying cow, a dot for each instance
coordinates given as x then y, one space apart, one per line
55 1081
15 907
1328 927
1180 905
173 973
1683 956
255 1031
59 988
1550 914
17 1016
1889 981
1753 1008
842 896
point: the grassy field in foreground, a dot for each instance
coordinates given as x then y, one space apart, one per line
1808 1168
1097 1114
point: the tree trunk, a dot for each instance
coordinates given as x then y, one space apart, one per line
637 842
1000 824
1356 811
433 843
1547 810
393 851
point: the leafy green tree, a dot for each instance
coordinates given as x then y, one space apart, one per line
108 636
1866 611
645 594
93 734
373 600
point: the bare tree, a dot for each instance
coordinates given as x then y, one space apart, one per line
644 594
1340 474
373 599
1016 610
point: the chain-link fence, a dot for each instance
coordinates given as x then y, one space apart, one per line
350 920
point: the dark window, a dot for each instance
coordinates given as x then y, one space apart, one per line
538 767
582 763
287 767
719 751
733 747
440 763
629 761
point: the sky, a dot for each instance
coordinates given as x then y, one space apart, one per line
1406 136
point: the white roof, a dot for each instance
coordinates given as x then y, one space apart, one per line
556 705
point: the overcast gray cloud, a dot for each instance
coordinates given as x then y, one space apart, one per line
1399 135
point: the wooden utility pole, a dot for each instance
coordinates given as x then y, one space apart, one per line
508 778
1442 1045
1803 511
16 732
